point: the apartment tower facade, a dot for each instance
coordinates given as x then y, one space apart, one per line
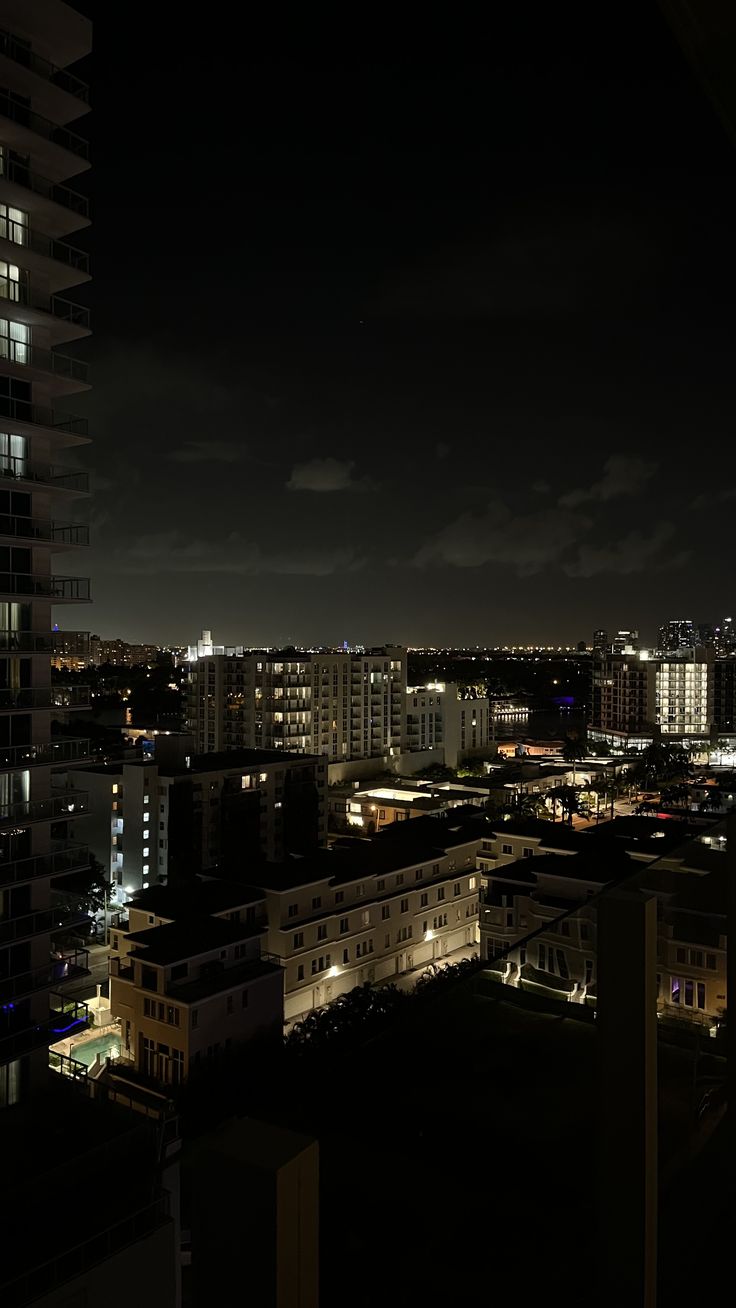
39 488
345 705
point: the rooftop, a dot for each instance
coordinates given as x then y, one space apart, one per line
201 896
191 992
188 938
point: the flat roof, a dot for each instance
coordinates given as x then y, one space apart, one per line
176 941
202 895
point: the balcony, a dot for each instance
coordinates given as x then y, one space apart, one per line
79 1261
65 1015
20 54
42 416
27 642
20 175
47 246
66 966
72 534
60 590
45 923
58 476
72 858
31 356
70 803
50 754
21 114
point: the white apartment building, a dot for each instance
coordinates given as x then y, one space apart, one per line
168 821
638 695
345 705
684 692
370 910
448 716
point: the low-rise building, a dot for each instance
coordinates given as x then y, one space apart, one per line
538 916
457 718
372 909
187 977
175 816
369 809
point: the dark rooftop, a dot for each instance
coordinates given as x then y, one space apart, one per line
202 895
190 992
553 835
188 938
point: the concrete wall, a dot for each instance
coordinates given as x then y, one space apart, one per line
401 765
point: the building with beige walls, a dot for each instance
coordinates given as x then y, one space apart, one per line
188 979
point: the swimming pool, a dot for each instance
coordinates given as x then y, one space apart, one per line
86 1051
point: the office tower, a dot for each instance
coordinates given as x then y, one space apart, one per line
678 633
625 641
346 705
39 151
600 641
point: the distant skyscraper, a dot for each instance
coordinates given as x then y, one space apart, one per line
38 211
625 641
600 640
678 633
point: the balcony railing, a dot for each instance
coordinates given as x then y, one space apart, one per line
58 533
69 804
40 414
100 1246
20 54
46 922
21 175
72 858
61 251
58 589
16 699
31 356
63 968
49 754
59 476
66 1015
27 642
26 117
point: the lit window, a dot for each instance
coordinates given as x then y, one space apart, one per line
115 788
146 868
146 851
146 834
471 883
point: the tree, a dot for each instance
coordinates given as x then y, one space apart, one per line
574 750
568 798
530 806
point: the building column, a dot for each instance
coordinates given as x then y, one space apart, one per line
627 1122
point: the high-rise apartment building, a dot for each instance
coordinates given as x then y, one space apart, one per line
345 705
39 152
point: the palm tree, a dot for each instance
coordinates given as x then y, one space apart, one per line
531 806
568 798
574 750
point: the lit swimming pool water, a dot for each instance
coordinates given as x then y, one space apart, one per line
86 1051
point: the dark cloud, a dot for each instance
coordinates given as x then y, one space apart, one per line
168 552
209 452
528 543
325 476
635 552
622 475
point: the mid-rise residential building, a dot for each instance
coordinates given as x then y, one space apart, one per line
639 695
70 650
180 814
187 978
724 695
372 909
345 705
39 151
457 719
600 641
121 653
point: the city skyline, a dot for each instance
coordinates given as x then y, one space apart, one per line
438 368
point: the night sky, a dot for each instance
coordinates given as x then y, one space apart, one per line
407 334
